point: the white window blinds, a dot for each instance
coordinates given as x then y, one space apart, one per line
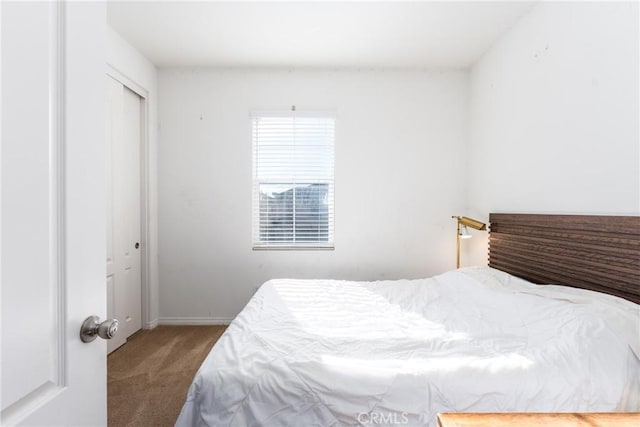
293 180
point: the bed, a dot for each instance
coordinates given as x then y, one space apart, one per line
339 353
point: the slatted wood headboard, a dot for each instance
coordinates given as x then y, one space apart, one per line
600 253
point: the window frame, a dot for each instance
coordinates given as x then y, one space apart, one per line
257 244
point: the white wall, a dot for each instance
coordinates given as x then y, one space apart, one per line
554 115
135 71
399 140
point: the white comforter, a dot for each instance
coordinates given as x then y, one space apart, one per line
334 353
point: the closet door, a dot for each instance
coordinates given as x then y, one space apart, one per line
124 296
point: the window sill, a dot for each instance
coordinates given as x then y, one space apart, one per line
293 248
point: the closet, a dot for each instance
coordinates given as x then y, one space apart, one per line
123 146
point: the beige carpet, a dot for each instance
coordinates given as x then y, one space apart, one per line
149 376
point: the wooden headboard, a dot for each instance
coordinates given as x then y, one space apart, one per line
600 253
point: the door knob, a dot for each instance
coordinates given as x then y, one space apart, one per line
92 328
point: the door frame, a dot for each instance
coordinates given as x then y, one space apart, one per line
145 209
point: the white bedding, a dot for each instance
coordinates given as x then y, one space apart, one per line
334 353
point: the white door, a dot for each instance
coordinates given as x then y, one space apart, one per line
124 286
52 59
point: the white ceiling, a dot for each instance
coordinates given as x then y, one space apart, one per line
352 34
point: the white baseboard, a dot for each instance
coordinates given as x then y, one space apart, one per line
194 320
152 324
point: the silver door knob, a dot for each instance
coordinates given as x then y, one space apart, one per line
92 328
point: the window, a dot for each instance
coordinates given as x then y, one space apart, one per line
292 180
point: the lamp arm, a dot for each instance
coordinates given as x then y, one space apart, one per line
473 223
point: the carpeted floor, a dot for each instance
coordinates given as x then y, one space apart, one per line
149 376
